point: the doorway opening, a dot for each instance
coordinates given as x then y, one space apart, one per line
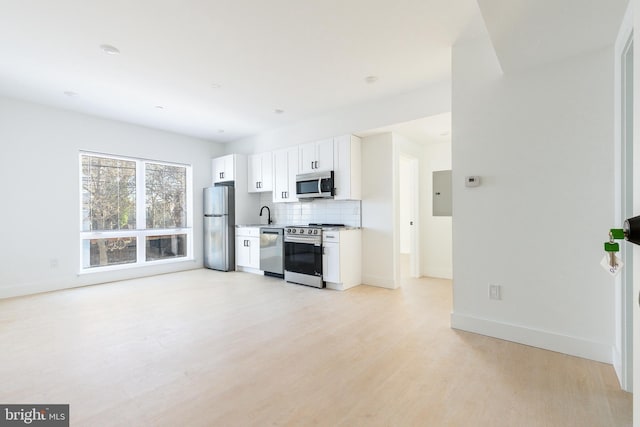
409 212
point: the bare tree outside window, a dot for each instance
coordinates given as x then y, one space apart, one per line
165 196
112 233
109 203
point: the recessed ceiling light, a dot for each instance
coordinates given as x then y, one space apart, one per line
278 111
110 50
371 79
159 107
216 86
220 130
445 133
70 93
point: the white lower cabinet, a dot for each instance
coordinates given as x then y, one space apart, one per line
331 262
248 248
342 259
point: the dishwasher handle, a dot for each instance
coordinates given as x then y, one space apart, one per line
271 232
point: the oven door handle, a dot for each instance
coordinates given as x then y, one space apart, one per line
302 240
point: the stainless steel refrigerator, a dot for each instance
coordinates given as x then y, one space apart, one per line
219 228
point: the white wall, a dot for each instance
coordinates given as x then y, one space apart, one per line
379 247
373 114
39 169
435 232
542 142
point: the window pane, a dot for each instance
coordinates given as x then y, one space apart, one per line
108 193
104 252
166 191
168 246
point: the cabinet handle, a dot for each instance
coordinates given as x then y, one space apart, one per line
286 194
260 184
329 237
316 164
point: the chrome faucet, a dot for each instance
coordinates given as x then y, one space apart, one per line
268 211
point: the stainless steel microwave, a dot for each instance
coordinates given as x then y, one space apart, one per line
315 185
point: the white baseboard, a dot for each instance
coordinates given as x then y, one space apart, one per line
533 337
71 281
616 357
437 275
378 281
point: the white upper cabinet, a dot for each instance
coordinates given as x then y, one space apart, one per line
223 168
316 156
347 162
260 172
285 169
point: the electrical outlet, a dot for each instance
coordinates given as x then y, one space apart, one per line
53 263
495 292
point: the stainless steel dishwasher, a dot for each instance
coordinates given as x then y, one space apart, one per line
272 251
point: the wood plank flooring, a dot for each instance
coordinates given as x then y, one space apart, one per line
204 348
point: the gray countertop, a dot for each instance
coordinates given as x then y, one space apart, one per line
345 228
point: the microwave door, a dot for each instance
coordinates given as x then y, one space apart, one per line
307 188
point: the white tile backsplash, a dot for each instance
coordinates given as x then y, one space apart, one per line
345 212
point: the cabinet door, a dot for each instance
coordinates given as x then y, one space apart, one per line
292 170
223 168
260 170
243 252
254 172
324 155
281 175
307 157
217 169
331 262
229 168
266 179
347 167
254 252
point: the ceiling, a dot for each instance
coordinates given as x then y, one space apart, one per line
218 69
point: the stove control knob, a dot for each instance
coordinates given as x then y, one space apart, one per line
288 230
315 231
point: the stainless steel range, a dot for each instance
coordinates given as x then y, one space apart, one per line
303 255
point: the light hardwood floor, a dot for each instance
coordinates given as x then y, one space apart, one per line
204 348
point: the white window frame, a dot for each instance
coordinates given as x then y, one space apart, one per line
141 232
